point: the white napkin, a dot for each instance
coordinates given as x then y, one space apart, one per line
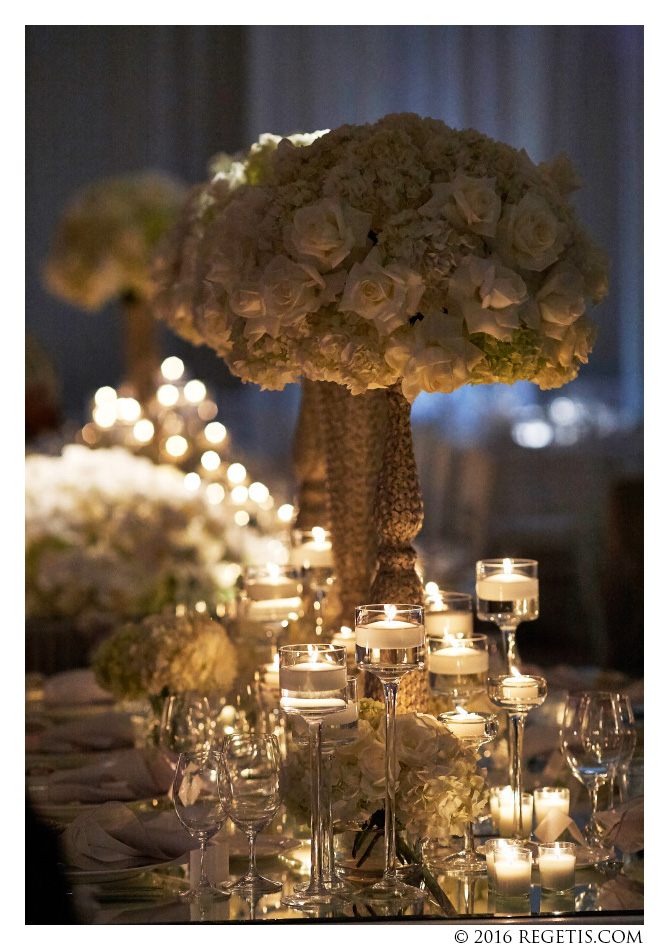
75 688
107 730
112 836
123 774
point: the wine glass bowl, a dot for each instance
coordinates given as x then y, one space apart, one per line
200 809
389 639
248 783
507 593
185 723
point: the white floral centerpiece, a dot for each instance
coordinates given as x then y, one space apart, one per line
110 536
167 653
103 245
403 250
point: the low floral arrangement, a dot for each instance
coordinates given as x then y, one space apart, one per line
111 535
104 243
166 653
403 250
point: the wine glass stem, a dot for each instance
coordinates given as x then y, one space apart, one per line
315 750
517 726
623 781
593 790
390 697
203 882
252 870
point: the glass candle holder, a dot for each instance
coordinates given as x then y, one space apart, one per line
506 815
507 592
311 554
517 695
271 596
557 866
313 683
471 730
489 848
457 666
512 872
448 612
548 799
390 641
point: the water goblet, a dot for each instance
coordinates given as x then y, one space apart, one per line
517 695
591 739
312 679
311 553
390 641
248 782
471 730
507 592
457 666
200 810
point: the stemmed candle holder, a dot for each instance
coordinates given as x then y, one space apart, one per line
390 641
311 553
457 666
312 679
471 730
448 612
507 592
517 695
271 596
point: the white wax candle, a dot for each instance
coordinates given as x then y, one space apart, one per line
263 610
390 635
312 704
457 661
519 687
507 586
512 875
345 638
270 677
557 870
547 800
466 725
449 621
312 554
313 677
504 814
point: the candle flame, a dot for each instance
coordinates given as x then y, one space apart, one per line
346 631
463 712
507 565
319 535
273 570
431 588
516 672
275 661
390 610
313 650
450 639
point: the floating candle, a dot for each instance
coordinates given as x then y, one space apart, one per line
454 622
457 660
465 725
507 585
313 677
316 552
389 635
520 687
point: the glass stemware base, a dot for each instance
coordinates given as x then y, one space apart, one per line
255 886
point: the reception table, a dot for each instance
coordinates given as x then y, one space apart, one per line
82 737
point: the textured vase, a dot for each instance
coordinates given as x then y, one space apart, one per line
353 429
398 517
309 461
142 355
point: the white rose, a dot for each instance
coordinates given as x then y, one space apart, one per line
487 295
324 233
416 739
386 296
561 300
529 234
290 290
468 203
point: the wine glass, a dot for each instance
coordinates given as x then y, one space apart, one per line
626 751
185 723
507 592
312 679
311 552
591 740
200 809
248 781
389 642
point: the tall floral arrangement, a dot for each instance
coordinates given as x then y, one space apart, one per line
110 535
402 250
104 242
